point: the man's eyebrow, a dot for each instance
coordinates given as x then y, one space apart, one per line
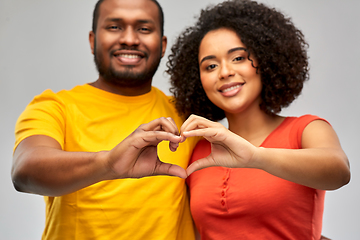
120 19
145 21
113 20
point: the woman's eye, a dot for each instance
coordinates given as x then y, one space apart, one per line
239 59
210 67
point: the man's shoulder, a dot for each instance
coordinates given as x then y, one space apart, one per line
161 96
74 90
160 93
50 97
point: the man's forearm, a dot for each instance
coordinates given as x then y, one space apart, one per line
49 171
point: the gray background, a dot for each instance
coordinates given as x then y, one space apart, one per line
44 44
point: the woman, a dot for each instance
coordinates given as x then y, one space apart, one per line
245 61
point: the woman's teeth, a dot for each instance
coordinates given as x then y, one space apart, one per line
230 88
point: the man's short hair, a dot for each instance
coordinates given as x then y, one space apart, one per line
97 13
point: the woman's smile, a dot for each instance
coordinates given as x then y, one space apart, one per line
227 74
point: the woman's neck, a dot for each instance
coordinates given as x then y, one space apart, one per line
254 126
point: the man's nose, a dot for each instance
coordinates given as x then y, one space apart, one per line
129 37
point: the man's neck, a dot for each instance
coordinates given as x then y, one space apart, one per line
121 90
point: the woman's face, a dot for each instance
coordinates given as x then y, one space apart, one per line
227 75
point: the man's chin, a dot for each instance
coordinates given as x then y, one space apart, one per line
127 76
127 79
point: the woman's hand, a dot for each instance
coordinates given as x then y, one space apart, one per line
320 163
227 148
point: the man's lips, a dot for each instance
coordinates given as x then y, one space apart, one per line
130 52
129 56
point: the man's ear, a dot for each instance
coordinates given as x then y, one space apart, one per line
164 44
92 41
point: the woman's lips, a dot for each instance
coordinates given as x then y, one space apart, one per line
230 90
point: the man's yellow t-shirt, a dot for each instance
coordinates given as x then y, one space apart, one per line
88 119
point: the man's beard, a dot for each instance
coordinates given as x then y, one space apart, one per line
125 78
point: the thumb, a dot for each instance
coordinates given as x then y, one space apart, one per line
200 164
170 170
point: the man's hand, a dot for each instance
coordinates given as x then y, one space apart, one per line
136 156
42 167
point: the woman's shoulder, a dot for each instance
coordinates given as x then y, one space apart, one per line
303 120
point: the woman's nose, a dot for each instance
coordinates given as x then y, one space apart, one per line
226 71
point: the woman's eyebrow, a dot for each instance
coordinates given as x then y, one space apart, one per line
237 49
230 51
207 58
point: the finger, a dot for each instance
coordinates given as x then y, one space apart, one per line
173 140
196 122
173 146
174 124
151 138
211 134
170 170
200 164
161 124
182 138
188 121
169 125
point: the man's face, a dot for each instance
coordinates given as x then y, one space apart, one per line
127 45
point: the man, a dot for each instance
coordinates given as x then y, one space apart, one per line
79 148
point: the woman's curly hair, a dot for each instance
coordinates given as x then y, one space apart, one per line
272 39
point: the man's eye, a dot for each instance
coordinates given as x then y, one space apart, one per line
113 27
144 29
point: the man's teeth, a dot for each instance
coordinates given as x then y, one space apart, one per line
230 88
129 56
